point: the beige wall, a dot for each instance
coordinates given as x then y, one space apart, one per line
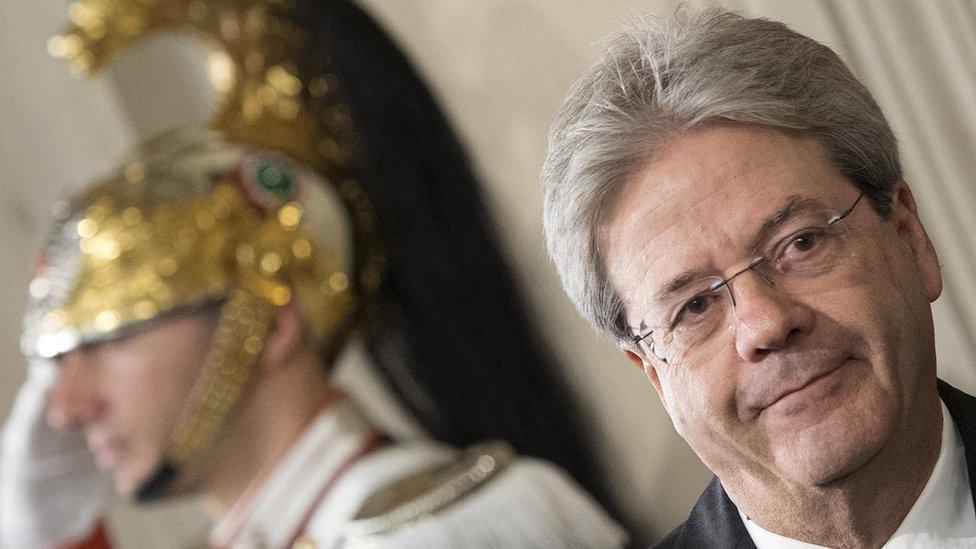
501 68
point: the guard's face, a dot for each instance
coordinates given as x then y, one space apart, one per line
799 387
127 394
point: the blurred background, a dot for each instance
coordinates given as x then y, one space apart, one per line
500 69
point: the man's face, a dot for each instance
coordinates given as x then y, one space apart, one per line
126 394
802 387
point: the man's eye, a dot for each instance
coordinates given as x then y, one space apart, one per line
804 249
696 307
804 242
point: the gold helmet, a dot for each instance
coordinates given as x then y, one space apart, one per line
260 210
187 221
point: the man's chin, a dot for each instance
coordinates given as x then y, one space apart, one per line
834 437
819 457
826 470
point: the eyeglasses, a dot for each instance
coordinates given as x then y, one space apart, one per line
799 257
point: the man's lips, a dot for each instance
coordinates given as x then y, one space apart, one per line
795 390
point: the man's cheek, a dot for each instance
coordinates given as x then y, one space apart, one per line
708 430
676 385
691 412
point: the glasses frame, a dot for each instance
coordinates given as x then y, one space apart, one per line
638 336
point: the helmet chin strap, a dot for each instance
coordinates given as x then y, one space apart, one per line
233 361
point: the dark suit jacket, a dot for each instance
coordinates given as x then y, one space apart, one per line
715 523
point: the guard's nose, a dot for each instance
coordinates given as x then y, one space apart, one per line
75 399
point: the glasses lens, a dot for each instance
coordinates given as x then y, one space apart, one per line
689 320
803 256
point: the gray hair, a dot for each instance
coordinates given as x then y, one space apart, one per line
668 75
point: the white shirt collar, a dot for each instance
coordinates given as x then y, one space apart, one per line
942 516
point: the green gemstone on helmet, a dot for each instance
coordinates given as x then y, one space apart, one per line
275 179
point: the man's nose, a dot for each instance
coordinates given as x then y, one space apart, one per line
766 319
75 400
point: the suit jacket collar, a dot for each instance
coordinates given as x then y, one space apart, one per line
715 522
962 408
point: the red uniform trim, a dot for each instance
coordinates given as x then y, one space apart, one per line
98 539
375 440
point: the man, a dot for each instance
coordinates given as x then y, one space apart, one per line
724 200
187 312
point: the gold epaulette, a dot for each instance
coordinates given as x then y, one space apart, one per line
428 491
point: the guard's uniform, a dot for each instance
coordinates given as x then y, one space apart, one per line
340 485
343 485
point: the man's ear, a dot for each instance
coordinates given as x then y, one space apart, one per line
285 337
649 370
904 212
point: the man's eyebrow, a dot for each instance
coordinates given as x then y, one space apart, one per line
794 206
678 283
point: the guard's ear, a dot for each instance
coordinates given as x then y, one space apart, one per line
649 370
904 212
285 338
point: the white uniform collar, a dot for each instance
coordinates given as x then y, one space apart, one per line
271 512
942 516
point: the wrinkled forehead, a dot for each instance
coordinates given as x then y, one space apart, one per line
701 200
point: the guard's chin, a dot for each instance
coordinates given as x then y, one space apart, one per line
163 482
127 481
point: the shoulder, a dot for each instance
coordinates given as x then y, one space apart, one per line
366 477
484 496
714 522
962 406
672 539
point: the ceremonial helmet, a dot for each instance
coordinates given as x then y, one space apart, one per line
322 118
257 210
